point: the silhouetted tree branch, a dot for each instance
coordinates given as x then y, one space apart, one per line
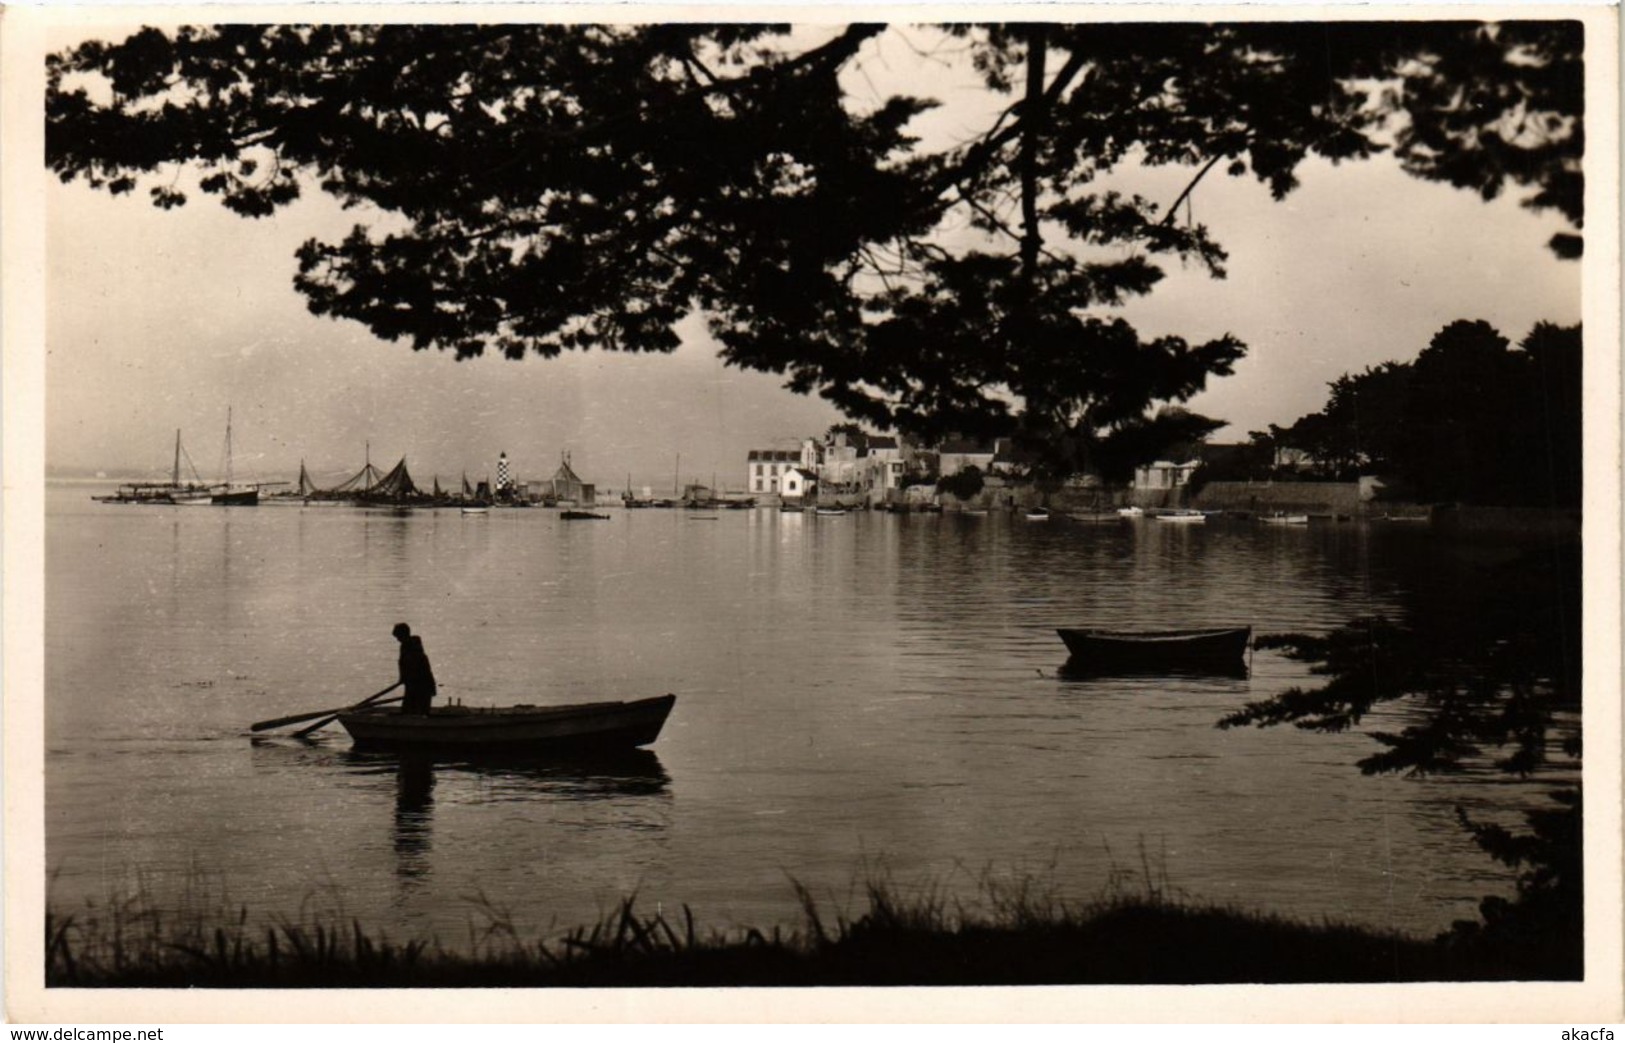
544 188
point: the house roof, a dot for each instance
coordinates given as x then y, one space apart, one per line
881 442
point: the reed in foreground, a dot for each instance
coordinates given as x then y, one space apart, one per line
1022 937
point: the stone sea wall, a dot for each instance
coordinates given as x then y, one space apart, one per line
1287 497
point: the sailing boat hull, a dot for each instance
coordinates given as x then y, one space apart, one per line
235 498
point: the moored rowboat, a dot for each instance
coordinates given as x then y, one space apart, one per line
1150 648
513 729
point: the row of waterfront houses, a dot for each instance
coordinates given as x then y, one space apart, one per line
842 465
871 467
876 467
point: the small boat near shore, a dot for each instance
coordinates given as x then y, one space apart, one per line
1284 519
1181 517
1141 649
521 729
575 515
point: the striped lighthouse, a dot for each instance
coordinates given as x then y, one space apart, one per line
504 475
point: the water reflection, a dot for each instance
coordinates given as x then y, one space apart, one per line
414 802
1080 670
623 792
587 776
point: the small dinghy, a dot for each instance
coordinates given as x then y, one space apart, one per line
1153 649
522 729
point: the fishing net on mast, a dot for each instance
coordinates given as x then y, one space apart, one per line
307 487
396 485
364 480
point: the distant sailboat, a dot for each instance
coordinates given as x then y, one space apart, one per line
233 493
171 492
629 500
194 493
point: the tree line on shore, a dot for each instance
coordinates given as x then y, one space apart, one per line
1473 419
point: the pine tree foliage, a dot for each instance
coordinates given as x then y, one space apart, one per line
1494 691
533 189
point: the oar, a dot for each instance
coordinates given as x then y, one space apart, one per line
296 718
325 721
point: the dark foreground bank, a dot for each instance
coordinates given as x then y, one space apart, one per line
1144 940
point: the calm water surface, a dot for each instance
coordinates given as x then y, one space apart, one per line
855 695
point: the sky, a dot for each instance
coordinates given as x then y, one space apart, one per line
158 321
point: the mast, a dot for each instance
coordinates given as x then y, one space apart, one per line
175 478
228 447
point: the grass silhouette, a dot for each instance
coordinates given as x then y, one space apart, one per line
1137 931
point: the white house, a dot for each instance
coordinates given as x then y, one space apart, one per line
1164 474
764 468
796 484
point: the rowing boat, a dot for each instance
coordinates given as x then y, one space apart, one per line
513 729
1156 648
